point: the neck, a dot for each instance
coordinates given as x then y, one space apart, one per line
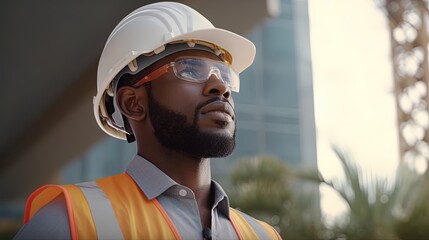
185 170
188 171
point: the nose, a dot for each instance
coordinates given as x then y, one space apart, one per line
216 86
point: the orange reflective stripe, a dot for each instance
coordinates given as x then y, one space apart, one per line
241 226
84 224
45 195
167 218
138 217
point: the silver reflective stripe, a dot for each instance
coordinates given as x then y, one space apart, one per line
105 221
257 227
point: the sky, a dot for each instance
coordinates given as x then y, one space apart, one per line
353 91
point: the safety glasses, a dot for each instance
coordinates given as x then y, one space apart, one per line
196 69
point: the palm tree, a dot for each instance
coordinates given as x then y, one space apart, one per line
265 188
378 210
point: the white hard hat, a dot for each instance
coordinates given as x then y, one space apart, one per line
147 30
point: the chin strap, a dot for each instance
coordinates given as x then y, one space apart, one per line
130 136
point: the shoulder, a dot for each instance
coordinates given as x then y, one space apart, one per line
50 222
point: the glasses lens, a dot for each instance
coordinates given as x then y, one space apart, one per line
192 69
200 70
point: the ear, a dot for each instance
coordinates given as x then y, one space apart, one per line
131 102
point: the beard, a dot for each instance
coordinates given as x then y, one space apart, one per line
174 132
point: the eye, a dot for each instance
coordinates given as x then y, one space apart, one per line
190 72
191 68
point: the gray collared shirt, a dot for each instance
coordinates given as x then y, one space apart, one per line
179 202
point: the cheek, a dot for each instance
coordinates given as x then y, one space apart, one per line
179 96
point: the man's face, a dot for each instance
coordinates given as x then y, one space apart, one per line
195 118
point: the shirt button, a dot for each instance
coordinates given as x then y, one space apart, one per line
182 192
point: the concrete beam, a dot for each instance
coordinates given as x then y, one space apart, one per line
65 131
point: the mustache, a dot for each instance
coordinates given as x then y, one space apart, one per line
201 105
215 99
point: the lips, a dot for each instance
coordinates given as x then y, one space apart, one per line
219 106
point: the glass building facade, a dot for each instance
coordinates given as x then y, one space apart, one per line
274 107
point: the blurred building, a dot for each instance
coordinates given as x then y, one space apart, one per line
48 65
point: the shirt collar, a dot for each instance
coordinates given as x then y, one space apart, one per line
154 182
221 200
151 180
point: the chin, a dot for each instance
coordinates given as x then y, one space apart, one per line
222 128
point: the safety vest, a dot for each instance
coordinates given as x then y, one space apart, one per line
109 212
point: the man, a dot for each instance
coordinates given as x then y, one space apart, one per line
164 80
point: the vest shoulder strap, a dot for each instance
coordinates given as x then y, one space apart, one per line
250 228
101 213
112 206
138 217
75 206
